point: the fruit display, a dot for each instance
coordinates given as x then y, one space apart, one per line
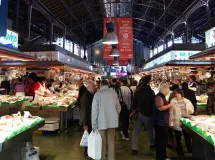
6 99
204 125
202 98
12 125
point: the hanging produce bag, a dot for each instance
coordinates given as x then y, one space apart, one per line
84 139
30 153
95 145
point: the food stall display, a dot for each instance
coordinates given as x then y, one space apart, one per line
202 130
10 126
201 100
6 99
204 125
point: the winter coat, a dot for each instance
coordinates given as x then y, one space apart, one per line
210 108
144 100
86 108
176 114
105 109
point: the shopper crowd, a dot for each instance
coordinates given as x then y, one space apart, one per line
120 100
108 104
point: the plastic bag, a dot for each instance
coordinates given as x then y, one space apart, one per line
94 145
84 139
30 153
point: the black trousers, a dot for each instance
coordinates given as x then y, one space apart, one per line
161 140
187 139
85 150
124 117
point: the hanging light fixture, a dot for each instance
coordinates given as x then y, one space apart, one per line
115 62
114 51
110 37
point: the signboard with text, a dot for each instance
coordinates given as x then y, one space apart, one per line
3 17
210 37
170 56
124 31
10 40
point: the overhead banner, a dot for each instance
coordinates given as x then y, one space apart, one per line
3 17
124 31
210 37
10 40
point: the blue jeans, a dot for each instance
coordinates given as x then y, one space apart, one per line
147 122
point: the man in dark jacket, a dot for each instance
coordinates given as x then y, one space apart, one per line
115 86
82 90
189 94
86 107
143 103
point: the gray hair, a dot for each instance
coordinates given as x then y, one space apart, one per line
164 89
90 82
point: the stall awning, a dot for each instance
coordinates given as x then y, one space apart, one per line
7 54
209 53
45 64
182 63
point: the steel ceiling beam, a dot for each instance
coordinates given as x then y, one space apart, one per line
182 18
85 31
158 21
86 3
158 6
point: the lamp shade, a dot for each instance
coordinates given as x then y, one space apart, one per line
115 62
110 37
114 51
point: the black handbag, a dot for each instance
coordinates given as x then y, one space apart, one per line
122 103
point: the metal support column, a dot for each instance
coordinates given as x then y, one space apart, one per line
85 57
52 32
186 33
17 15
73 47
208 15
173 38
64 37
29 20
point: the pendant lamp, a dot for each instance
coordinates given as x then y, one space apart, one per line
115 62
110 37
114 51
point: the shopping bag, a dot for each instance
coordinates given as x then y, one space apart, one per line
84 139
94 145
30 153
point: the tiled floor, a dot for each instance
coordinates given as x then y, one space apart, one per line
66 147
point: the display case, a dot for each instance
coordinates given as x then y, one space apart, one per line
15 131
202 131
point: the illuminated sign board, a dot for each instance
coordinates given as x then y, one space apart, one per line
170 56
10 40
210 37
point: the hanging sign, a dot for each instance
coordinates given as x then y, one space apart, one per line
10 40
210 37
3 17
124 31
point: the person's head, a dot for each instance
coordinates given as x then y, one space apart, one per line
184 86
104 82
30 80
51 80
192 78
124 82
211 85
113 81
80 83
174 87
20 80
164 89
91 86
177 81
179 93
146 80
134 83
42 79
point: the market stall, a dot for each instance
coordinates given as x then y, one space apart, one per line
202 130
11 104
15 131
